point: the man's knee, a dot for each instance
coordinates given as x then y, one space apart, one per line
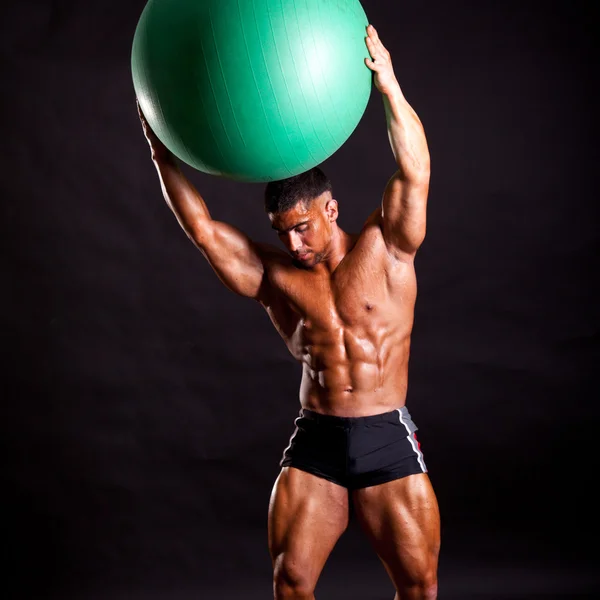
430 589
422 587
418 583
429 581
291 581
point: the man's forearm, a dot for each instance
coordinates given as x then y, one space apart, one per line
406 136
180 195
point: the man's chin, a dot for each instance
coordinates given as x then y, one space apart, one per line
305 263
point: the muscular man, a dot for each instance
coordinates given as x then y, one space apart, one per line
344 305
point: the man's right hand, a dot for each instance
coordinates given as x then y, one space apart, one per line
159 150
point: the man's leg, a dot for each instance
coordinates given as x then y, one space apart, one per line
401 518
307 516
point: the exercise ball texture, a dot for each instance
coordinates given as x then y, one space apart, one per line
252 90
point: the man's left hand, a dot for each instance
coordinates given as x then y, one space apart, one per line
380 63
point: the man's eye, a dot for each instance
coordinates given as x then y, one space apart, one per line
301 229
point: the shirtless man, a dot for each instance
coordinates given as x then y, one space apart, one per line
344 305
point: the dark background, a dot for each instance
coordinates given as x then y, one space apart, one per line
145 407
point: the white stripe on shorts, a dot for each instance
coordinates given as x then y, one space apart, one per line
411 436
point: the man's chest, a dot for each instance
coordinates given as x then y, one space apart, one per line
342 300
357 294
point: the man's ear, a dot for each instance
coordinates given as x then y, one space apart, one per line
331 208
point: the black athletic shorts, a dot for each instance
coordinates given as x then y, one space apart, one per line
355 452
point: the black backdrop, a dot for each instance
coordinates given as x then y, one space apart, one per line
145 407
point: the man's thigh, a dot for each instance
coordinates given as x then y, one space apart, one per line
401 518
307 515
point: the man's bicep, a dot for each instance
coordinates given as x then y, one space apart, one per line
234 257
404 213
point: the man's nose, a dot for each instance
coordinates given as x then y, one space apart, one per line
293 241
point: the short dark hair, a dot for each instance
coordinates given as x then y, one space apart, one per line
284 194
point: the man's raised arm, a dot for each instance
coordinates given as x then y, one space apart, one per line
232 255
405 198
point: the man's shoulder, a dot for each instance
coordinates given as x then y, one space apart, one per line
375 219
372 234
268 250
272 255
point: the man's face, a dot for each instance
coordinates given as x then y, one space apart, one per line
305 230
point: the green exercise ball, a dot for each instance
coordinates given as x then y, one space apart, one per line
252 90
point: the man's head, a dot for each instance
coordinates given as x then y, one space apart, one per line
303 212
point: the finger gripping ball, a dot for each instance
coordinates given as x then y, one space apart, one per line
252 90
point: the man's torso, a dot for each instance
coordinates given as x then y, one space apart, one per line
349 329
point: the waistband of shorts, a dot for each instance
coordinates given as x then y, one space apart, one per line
392 416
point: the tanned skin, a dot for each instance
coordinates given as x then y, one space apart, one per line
344 305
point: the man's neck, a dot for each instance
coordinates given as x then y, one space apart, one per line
341 244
